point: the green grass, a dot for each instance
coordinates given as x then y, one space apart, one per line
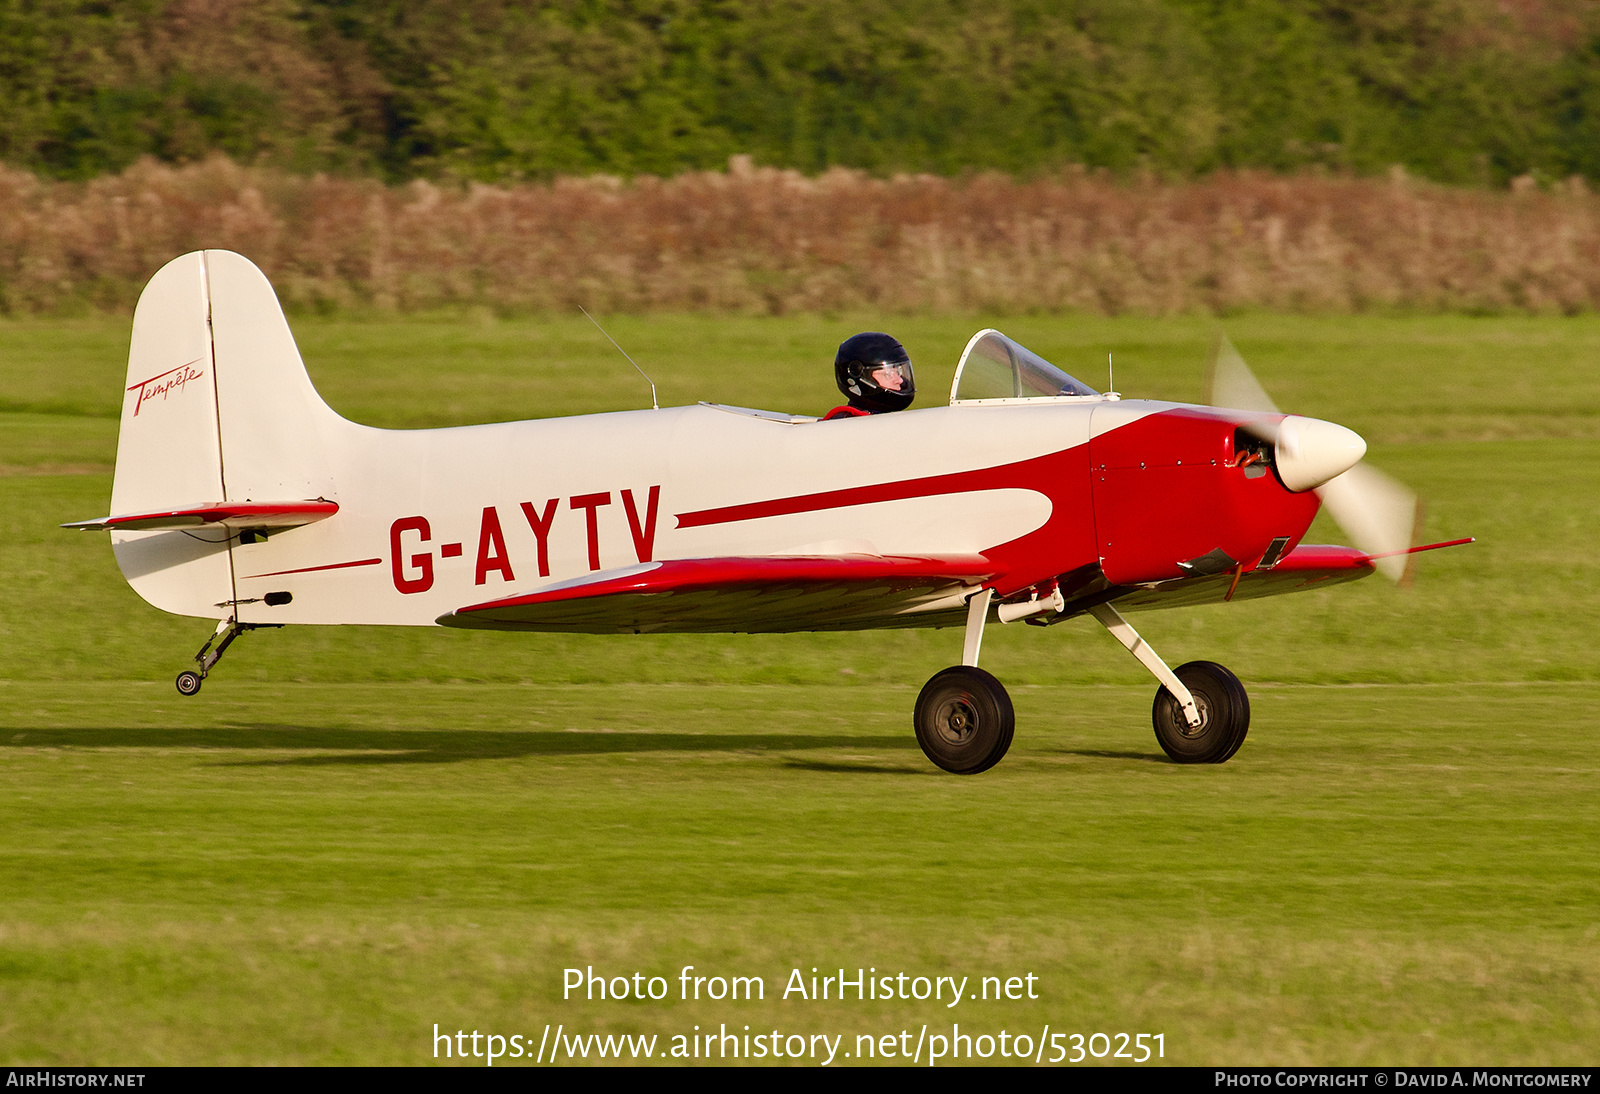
355 833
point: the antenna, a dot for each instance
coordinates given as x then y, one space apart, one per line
1111 375
654 404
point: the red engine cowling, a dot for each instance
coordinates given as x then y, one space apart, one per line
1187 491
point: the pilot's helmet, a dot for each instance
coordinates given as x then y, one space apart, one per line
874 372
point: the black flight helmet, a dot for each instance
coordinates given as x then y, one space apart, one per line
874 372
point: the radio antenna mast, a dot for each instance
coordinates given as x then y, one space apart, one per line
654 403
1111 376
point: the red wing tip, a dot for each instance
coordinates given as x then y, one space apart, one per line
1321 556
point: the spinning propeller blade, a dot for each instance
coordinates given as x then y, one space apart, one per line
1380 515
1232 384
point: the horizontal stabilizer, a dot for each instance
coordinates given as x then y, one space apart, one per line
754 595
233 515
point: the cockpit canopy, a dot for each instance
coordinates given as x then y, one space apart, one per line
996 369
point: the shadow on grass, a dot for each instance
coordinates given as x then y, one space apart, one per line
422 746
854 767
1108 754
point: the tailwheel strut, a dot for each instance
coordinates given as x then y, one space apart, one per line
189 681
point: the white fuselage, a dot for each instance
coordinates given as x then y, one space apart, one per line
474 504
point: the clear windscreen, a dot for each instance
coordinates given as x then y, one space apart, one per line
995 367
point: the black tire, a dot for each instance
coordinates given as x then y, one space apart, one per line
1224 712
188 682
964 720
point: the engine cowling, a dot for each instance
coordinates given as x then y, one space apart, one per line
1188 491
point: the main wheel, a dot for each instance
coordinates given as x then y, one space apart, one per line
188 682
1224 715
964 720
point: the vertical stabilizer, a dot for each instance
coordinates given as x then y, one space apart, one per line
217 408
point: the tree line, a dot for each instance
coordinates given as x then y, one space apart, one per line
1459 91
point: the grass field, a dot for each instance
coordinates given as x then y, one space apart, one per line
352 835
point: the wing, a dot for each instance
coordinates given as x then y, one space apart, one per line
1309 566
1306 567
233 515
748 594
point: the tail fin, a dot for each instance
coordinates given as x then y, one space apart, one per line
218 409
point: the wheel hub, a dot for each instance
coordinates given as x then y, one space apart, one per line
957 720
1182 723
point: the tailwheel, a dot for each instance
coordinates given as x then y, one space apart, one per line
964 720
189 681
1224 715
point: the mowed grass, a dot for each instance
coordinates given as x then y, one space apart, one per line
353 834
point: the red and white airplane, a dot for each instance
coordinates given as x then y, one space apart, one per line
241 496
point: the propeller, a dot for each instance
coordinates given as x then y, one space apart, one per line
1380 515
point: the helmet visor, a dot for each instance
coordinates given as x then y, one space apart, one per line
892 376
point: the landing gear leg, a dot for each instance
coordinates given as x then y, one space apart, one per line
977 616
964 718
189 681
1201 712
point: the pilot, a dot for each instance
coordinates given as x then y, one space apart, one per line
874 372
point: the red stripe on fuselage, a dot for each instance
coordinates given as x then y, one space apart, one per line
1005 476
1064 542
313 569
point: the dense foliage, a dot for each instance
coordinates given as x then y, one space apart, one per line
1455 90
766 240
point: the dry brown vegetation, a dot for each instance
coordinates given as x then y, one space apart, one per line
767 241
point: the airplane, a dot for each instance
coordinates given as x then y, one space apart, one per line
239 495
